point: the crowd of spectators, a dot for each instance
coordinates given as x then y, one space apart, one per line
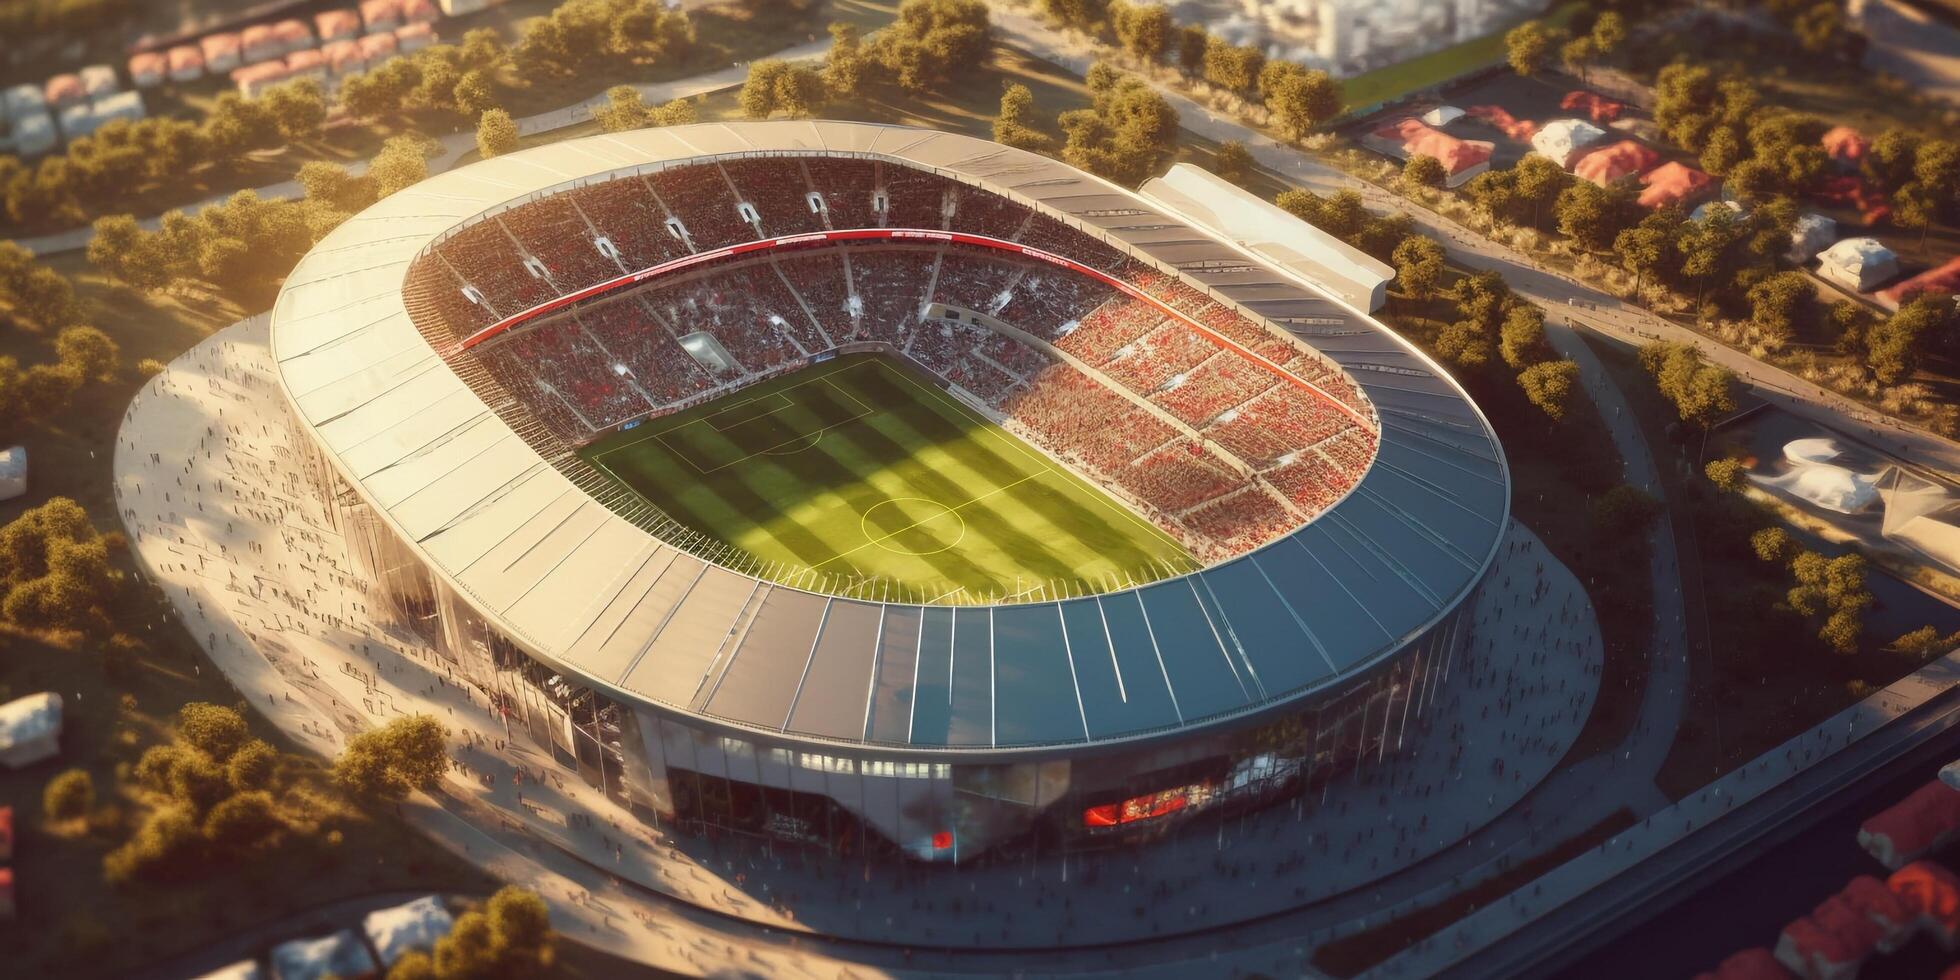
1250 454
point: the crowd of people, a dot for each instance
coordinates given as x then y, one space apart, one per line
1220 443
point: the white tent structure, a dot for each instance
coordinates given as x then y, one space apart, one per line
1562 139
1814 479
339 955
30 729
13 472
1813 233
1921 515
1442 115
1858 264
414 925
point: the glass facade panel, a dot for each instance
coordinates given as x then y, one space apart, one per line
1029 655
898 663
932 705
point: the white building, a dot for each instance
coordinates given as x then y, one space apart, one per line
1562 140
1858 264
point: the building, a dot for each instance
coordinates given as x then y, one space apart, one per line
1409 137
186 63
1675 183
1620 161
715 701
1563 140
1858 264
148 69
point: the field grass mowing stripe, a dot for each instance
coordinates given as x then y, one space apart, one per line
1044 462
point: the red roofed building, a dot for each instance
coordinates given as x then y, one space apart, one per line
186 63
64 90
1512 127
1675 183
293 35
1915 825
1617 162
1933 894
338 25
1941 281
147 69
1409 137
1847 146
1598 108
221 52
253 79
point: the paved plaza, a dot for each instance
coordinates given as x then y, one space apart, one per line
226 515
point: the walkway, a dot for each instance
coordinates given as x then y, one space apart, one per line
241 544
455 145
1922 51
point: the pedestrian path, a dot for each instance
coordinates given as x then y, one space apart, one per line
236 535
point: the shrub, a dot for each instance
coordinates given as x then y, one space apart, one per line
166 845
243 822
218 730
68 796
251 767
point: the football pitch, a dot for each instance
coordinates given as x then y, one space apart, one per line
856 476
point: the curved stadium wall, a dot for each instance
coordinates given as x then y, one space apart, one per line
448 351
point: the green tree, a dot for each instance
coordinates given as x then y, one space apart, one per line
475 93
214 729
198 782
68 796
1529 45
1592 216
1701 392
1609 32
1234 162
252 766
496 133
166 846
932 42
403 756
1017 125
1145 31
298 109
1124 134
1782 307
1549 385
1423 170
402 163
509 937
1521 340
124 250
846 63
1924 642
1300 99
1647 249
243 822
1728 474
1896 345
1578 54
1192 43
1775 545
88 352
1419 266
1232 67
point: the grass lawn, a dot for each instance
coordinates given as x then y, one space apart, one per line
858 475
1416 74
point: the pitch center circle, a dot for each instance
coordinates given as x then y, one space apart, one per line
926 527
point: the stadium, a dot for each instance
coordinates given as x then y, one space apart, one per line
891 491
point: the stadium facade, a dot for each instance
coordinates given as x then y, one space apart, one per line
709 696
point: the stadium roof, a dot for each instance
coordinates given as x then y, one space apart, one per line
594 594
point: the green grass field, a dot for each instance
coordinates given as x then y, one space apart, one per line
858 477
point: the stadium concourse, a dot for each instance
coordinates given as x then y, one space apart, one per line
246 546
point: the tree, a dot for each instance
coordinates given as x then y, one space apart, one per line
1608 33
1578 54
1419 266
1144 31
1539 182
1625 511
216 730
331 185
509 937
1890 160
68 796
625 109
297 108
1895 345
932 41
1529 45
124 250
166 844
1925 642
1592 216
1549 385
198 782
845 64
403 756
1783 306
758 95
1465 343
1775 545
54 566
1521 341
1124 134
1234 162
1728 474
475 93
1423 170
1232 67
243 822
88 352
1299 99
402 163
1647 249
1192 43
251 766
1701 392
496 133
1016 125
